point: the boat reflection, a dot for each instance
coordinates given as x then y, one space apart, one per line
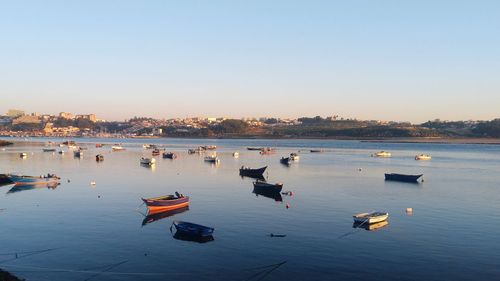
268 193
253 177
24 187
156 216
200 239
370 227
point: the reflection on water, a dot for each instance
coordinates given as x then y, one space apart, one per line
370 227
152 217
200 239
25 187
268 193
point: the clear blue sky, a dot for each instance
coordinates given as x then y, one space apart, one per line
373 59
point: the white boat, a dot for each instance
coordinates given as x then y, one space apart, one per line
23 154
423 157
370 218
148 161
212 159
236 154
117 147
294 157
383 154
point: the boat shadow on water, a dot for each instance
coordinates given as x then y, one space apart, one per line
268 193
370 227
156 216
190 238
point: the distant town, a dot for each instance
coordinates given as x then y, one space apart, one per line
18 123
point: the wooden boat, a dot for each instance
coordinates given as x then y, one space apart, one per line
159 215
212 159
423 157
195 150
254 173
369 218
285 160
255 148
27 180
315 150
262 185
117 147
23 154
147 161
268 193
169 155
192 229
236 154
166 203
382 154
402 177
61 152
78 153
99 158
294 157
155 152
98 145
49 150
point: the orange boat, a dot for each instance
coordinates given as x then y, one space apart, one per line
166 203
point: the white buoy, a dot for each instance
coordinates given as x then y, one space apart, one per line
92 183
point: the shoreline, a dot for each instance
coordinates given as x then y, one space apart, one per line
6 276
482 141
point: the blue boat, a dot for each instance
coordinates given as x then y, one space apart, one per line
192 229
402 177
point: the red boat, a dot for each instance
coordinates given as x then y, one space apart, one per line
166 203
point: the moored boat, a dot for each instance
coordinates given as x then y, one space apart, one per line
369 218
212 159
99 158
236 154
285 160
267 151
49 150
208 147
117 147
192 229
98 145
155 152
166 203
294 157
423 157
402 177
255 148
195 150
382 154
315 150
254 173
262 185
147 161
26 180
169 155
23 154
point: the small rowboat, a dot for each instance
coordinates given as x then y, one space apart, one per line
195 150
370 218
155 152
294 157
97 145
253 173
208 147
23 154
169 155
423 157
236 154
148 161
117 147
192 229
99 158
315 150
402 177
262 185
25 180
166 203
255 148
382 154
49 150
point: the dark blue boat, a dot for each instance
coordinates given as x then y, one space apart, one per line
252 173
192 229
402 177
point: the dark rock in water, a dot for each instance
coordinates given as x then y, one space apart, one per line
5 276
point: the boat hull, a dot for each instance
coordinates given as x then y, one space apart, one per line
402 177
156 206
192 229
368 218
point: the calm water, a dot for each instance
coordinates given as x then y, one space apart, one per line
452 234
